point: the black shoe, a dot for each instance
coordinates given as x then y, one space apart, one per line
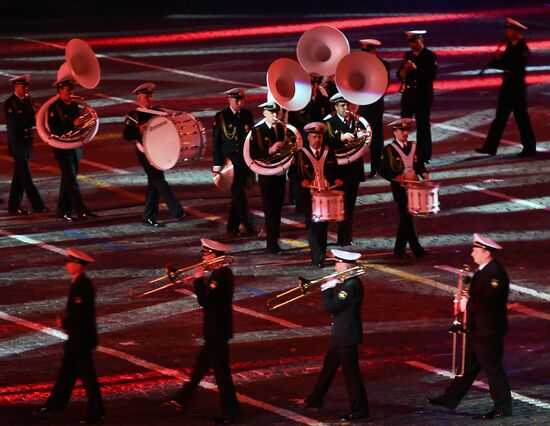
93 419
232 231
181 216
304 405
86 215
275 250
249 231
438 400
524 154
420 254
371 174
493 414
174 404
227 420
19 212
353 417
42 210
67 218
153 223
485 151
401 255
344 243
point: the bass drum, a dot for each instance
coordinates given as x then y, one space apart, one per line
170 138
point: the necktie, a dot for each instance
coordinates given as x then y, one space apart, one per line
347 121
317 154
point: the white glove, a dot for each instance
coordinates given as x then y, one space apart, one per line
329 284
463 303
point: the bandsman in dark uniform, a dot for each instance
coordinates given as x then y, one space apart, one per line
80 326
315 165
64 117
267 139
341 129
231 126
20 111
486 326
374 113
513 92
215 296
344 302
417 73
400 162
134 126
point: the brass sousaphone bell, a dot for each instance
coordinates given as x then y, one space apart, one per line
321 48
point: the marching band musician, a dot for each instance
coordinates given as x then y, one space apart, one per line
315 163
417 73
341 128
374 112
63 117
400 162
134 126
486 326
231 126
344 303
267 139
316 110
513 92
80 325
215 296
20 111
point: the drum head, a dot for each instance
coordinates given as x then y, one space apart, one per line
161 143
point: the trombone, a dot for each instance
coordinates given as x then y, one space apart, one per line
459 325
305 286
172 276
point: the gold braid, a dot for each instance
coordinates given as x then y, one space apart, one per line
229 136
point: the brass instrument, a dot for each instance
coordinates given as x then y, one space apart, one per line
459 325
172 276
491 56
305 286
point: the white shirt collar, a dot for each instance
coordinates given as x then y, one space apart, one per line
482 266
233 110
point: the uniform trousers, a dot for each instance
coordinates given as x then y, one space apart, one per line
214 354
482 353
157 186
77 363
374 115
316 231
345 227
238 209
273 196
406 231
69 190
510 100
347 357
22 183
419 103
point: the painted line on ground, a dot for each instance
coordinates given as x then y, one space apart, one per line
528 400
518 288
163 370
104 167
31 241
525 203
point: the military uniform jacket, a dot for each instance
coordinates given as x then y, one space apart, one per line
263 138
20 121
391 166
486 309
513 63
61 117
301 168
424 75
215 295
131 129
229 133
315 110
80 323
352 172
344 303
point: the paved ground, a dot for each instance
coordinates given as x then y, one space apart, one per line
148 346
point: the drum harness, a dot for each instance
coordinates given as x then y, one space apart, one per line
408 160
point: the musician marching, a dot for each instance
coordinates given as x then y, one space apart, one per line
400 163
64 117
268 138
487 325
134 127
231 126
215 296
417 73
344 302
341 129
315 168
20 119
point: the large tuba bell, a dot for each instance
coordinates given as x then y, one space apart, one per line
82 66
321 48
361 78
289 84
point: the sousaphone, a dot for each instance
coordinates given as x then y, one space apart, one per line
321 48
